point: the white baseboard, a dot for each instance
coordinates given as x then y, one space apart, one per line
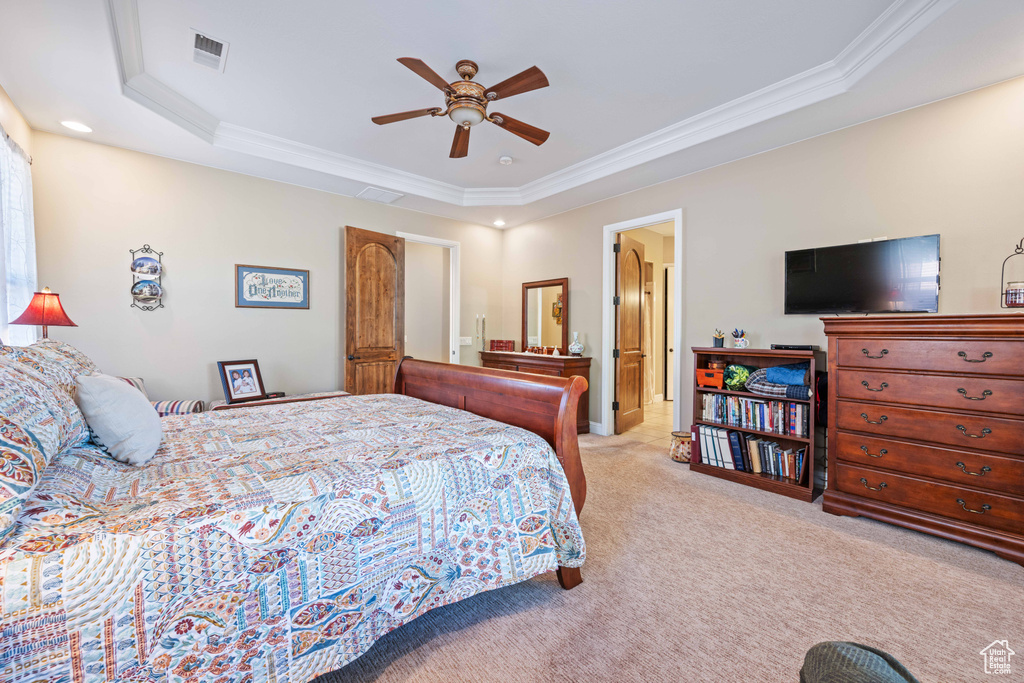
597 428
658 398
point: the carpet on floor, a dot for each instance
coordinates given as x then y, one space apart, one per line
692 578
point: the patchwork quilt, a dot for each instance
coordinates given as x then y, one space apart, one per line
274 543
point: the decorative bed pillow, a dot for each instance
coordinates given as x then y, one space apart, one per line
136 382
78 362
28 440
165 408
27 370
120 418
57 364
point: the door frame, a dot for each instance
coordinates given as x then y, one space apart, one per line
607 424
453 279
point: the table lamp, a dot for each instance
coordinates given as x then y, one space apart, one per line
45 310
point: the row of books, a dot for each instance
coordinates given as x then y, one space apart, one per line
764 415
746 453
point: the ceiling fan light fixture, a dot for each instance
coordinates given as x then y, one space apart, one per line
466 115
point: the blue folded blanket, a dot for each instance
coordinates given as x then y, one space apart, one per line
792 375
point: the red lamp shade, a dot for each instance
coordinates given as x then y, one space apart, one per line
45 310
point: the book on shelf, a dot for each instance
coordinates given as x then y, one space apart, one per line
737 454
731 450
695 445
724 450
781 417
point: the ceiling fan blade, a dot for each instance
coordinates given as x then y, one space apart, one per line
402 116
420 68
523 130
460 145
531 79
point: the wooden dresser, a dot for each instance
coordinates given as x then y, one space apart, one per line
555 366
927 425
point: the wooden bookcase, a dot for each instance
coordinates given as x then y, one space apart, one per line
763 358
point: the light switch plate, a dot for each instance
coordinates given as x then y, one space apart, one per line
465 341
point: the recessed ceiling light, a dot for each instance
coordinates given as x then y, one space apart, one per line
76 126
499 223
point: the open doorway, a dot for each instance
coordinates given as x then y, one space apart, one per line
431 298
641 330
639 386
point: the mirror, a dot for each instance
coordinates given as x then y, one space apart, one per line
546 315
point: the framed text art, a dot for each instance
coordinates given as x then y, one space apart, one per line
264 287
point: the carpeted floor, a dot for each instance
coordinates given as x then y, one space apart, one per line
690 578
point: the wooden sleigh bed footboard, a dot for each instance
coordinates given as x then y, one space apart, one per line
543 405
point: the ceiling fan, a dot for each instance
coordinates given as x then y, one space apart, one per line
466 102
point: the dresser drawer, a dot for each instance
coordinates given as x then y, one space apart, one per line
539 371
501 366
965 431
959 393
984 508
972 355
981 470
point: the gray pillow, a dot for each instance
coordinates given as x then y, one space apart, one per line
120 418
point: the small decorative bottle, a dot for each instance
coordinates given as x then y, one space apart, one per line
576 348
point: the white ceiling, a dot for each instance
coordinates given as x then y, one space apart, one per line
640 92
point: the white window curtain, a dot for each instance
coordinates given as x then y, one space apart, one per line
18 243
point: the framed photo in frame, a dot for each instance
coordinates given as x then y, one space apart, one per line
241 380
266 287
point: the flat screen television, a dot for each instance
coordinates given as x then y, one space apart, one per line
890 276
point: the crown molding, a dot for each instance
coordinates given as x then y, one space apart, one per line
236 138
901 21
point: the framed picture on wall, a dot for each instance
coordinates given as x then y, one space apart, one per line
241 380
266 287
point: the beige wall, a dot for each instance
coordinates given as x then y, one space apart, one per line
14 123
953 167
94 203
426 301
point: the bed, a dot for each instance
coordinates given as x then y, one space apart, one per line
280 542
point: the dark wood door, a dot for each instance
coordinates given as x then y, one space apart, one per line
375 310
629 327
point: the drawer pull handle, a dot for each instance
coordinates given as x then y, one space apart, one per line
872 488
984 357
984 508
868 353
985 431
984 469
881 386
872 455
985 394
872 422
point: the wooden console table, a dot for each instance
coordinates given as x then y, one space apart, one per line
554 366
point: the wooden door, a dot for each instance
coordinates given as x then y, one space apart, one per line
629 325
375 310
670 326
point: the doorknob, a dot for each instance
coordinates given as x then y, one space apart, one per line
351 357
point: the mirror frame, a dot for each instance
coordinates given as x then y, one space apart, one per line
564 282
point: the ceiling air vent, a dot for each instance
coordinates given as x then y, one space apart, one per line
207 51
373 194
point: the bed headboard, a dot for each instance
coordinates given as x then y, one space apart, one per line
543 405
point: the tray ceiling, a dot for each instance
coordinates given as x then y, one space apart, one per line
640 92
